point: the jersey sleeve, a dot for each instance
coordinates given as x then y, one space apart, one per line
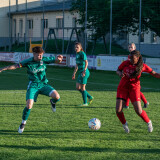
49 60
146 68
25 62
122 65
84 56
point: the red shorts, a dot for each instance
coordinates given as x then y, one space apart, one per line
132 93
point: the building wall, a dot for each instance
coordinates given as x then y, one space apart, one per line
4 9
147 38
37 22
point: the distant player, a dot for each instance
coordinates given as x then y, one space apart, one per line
132 47
38 83
83 73
129 86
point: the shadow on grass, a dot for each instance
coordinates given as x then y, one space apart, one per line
58 106
81 149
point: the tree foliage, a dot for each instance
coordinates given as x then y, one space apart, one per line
125 15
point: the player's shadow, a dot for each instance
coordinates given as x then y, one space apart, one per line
80 149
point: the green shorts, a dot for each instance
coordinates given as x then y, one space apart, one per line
83 80
38 88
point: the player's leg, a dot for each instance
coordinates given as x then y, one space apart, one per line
143 98
136 101
143 115
81 86
127 103
122 95
84 94
25 115
31 97
55 98
48 90
88 95
120 103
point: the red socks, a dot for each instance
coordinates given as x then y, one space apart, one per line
143 98
127 102
144 116
121 117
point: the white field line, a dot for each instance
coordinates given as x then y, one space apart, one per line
104 84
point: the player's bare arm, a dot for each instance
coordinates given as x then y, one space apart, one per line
86 65
59 59
75 71
155 74
12 67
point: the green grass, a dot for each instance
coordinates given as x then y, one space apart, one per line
65 134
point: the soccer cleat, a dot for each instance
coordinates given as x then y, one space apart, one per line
127 107
53 106
83 105
125 127
21 128
150 127
146 105
90 100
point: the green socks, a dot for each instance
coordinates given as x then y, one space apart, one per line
88 95
55 100
84 95
26 113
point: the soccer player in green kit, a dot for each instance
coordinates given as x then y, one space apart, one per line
83 73
38 83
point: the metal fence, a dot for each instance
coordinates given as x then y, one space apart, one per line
106 26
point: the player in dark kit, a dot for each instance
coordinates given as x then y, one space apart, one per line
38 83
129 86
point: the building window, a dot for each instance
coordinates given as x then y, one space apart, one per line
21 28
142 37
153 37
30 24
45 25
14 26
74 22
59 22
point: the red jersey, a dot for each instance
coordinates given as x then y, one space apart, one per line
128 68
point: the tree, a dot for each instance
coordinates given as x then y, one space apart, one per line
125 16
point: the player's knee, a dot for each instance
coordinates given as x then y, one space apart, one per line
57 97
29 106
138 112
118 111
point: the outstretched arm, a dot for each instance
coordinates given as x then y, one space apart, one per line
75 71
155 74
12 67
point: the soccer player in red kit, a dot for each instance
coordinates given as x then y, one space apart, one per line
132 47
129 86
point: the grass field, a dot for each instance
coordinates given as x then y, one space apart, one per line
65 134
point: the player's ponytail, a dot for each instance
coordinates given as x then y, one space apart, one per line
79 44
139 64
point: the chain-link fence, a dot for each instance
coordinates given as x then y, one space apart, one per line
103 27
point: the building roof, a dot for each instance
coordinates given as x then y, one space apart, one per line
50 7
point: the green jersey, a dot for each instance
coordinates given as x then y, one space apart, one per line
37 69
80 60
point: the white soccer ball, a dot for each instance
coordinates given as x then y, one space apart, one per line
94 124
